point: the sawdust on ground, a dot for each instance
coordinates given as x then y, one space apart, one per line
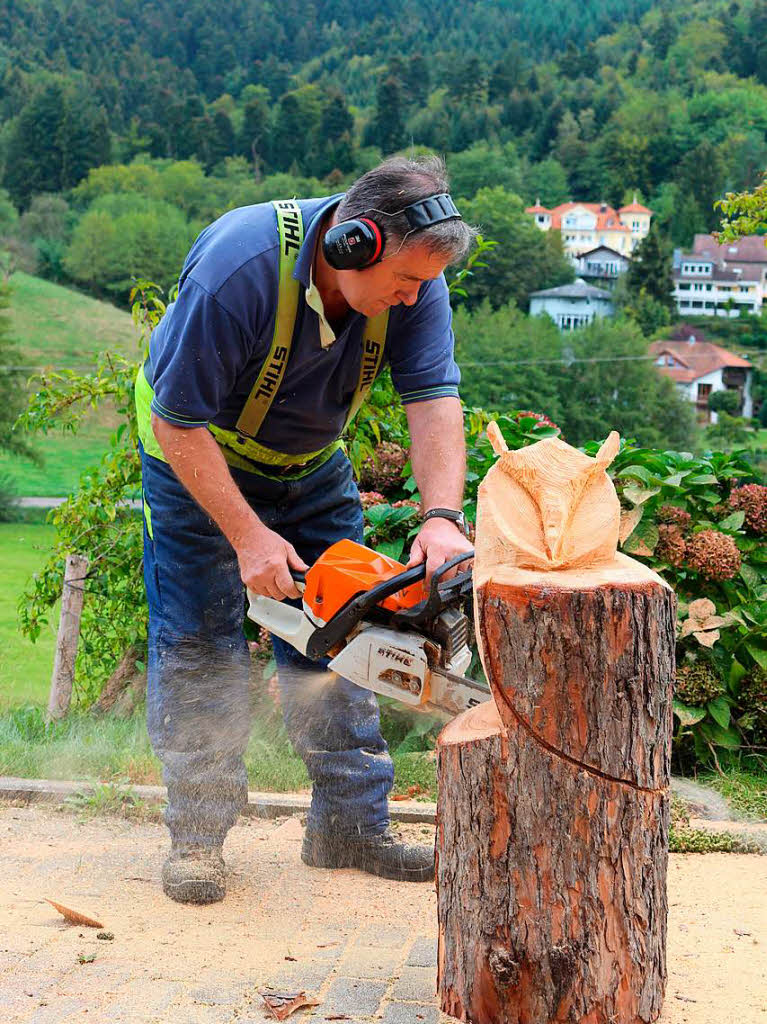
277 908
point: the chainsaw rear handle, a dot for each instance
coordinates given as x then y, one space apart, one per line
343 622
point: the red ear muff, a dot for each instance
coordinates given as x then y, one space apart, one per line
353 244
379 235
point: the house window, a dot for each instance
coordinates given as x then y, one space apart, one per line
704 390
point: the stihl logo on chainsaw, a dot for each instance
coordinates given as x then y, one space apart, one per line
402 659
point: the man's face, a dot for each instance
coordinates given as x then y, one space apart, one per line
394 280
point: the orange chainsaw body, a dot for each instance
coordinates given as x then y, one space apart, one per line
348 568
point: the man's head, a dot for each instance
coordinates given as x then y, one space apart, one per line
409 257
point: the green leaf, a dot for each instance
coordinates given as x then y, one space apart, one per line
702 478
392 548
639 495
719 709
759 654
639 472
688 715
733 522
720 737
750 576
734 676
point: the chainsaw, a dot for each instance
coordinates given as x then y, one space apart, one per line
382 627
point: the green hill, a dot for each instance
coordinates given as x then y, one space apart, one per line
57 328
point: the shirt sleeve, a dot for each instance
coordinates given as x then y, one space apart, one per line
197 352
420 347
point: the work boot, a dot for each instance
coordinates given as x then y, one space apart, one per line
193 873
382 855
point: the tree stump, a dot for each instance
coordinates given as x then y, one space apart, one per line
553 811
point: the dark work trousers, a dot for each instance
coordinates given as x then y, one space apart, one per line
198 713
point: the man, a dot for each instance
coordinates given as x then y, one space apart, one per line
249 383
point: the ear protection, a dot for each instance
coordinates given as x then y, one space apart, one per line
359 243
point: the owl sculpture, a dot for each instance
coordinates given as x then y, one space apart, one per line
548 507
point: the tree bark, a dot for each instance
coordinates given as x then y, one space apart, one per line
553 810
125 688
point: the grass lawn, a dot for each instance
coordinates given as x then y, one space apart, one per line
25 668
110 749
58 328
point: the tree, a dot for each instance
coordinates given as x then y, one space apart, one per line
253 139
725 401
34 158
387 129
649 274
588 381
525 259
124 236
12 378
483 165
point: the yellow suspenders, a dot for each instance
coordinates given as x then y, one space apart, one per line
239 447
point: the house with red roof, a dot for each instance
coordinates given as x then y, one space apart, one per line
698 367
587 226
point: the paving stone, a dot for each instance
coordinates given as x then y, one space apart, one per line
418 984
369 962
409 1013
208 995
423 953
307 974
353 997
149 998
58 1010
383 938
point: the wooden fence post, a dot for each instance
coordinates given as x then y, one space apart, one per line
69 633
553 810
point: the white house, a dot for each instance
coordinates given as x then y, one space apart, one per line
707 286
572 305
699 368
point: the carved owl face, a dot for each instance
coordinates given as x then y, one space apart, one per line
548 506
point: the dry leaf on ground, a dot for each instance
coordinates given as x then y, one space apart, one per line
73 916
282 1004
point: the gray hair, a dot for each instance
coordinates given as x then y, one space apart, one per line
395 184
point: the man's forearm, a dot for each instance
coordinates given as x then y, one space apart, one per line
196 459
438 451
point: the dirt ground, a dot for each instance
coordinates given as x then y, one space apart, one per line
343 934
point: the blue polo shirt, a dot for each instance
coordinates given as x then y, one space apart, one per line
208 349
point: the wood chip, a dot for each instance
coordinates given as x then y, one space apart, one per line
282 1004
74 916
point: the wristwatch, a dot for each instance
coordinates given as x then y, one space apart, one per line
448 513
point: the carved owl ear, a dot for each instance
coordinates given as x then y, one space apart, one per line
609 449
496 438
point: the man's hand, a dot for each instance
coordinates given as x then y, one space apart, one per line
437 542
265 562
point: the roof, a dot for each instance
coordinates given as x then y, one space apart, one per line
604 248
751 249
696 358
577 290
635 207
607 218
717 274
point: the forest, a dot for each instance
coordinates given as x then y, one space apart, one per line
125 128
